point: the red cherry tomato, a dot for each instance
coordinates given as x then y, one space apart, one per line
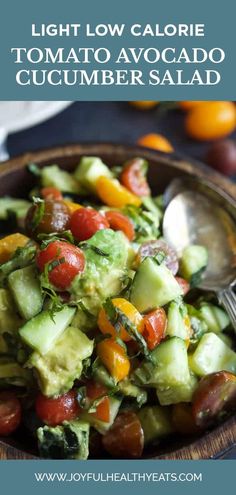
54 411
71 262
118 221
85 222
183 284
154 327
94 391
125 438
133 177
51 193
10 413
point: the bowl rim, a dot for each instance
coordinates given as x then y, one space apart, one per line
217 442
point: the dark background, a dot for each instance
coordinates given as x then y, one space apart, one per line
109 121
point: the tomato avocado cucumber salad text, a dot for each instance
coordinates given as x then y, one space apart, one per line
105 346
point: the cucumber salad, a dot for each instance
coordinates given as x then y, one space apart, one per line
107 347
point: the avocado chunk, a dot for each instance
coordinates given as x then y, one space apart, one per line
58 368
68 441
129 389
153 286
9 319
106 255
41 331
212 355
25 288
89 170
12 374
156 422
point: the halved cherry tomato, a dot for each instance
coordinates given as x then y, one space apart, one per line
71 261
183 284
183 420
114 357
152 248
129 310
125 438
51 193
94 391
211 120
133 177
54 411
156 142
112 193
144 105
215 395
154 327
10 413
55 218
118 221
85 222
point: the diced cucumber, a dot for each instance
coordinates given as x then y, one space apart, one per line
53 176
128 389
212 355
176 326
193 262
215 318
169 365
89 170
41 331
9 320
102 376
25 288
17 206
67 441
153 286
156 422
58 368
175 394
102 426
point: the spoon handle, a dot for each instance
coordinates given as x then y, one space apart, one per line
227 298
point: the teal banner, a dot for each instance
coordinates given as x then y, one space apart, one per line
103 50
106 477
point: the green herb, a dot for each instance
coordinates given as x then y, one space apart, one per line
48 238
159 257
100 252
82 397
23 256
118 319
38 214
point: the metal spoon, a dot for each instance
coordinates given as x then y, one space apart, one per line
194 217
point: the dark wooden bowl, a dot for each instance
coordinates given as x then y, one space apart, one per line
16 180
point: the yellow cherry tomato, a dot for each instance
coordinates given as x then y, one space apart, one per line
114 358
156 142
144 105
211 120
188 105
112 193
72 206
129 310
9 244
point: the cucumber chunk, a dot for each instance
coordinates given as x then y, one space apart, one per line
193 262
215 318
26 291
153 286
156 422
128 389
103 426
212 355
53 176
176 326
68 441
180 393
102 376
89 170
58 368
17 206
41 331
